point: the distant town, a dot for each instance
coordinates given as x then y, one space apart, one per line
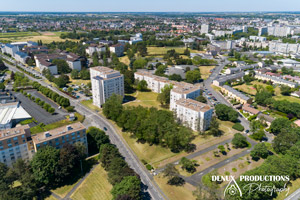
132 106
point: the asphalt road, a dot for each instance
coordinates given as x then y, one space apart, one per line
151 188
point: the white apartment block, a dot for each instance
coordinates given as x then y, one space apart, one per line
276 80
157 83
193 114
95 48
14 145
183 93
105 83
204 28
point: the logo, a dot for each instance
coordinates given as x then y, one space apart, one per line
233 188
252 185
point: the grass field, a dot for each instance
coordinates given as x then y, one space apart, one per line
163 50
125 60
64 190
78 82
288 98
90 105
39 129
205 71
173 192
95 186
145 99
249 89
46 37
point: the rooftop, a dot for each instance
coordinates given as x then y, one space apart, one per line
194 105
55 133
237 93
13 131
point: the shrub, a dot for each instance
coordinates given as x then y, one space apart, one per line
70 108
238 127
149 167
234 169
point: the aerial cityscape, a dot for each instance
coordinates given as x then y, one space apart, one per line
150 100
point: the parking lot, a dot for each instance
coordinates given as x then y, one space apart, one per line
38 112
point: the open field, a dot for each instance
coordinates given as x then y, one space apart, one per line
184 192
64 190
163 50
205 71
125 60
145 99
46 37
95 186
78 82
51 198
249 89
288 98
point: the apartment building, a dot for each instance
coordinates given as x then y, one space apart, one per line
223 79
157 83
234 94
191 92
58 137
276 80
15 144
105 83
118 49
95 48
193 114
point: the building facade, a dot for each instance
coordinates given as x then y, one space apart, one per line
105 83
193 114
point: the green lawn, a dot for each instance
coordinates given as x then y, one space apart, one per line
163 50
249 89
18 34
293 187
39 129
288 98
89 104
64 190
95 186
145 99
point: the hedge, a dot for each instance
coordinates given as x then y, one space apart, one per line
238 127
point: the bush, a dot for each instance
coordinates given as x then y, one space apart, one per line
238 127
234 169
70 108
149 167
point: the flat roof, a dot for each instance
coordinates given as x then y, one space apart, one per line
58 132
193 105
13 131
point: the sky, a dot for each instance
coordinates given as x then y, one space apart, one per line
149 5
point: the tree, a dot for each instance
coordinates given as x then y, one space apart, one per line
75 74
188 165
139 63
2 86
96 138
226 113
45 165
176 180
164 96
285 90
175 77
68 161
201 99
258 135
193 76
222 149
285 140
280 124
214 127
255 125
130 186
262 96
239 141
170 171
142 85
160 71
61 81
62 66
260 151
113 107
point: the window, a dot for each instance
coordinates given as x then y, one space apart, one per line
15 138
8 141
